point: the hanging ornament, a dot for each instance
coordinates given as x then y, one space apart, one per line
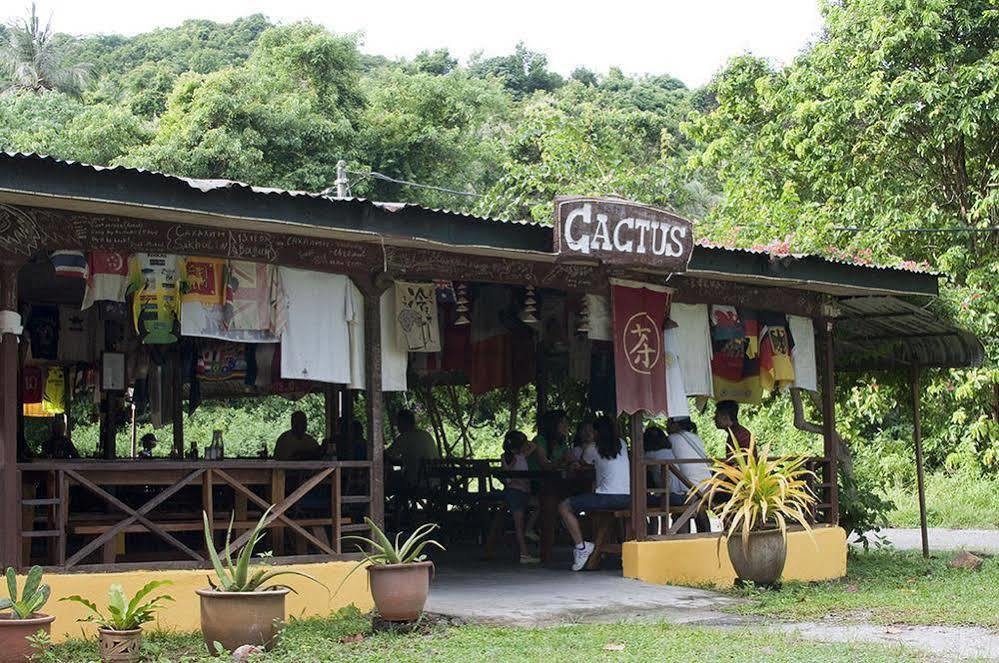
461 306
583 319
530 307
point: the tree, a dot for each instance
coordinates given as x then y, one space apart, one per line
31 59
522 72
437 62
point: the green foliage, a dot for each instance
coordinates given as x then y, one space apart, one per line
961 500
235 576
124 614
385 551
522 72
34 595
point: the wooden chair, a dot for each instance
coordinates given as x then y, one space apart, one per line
610 529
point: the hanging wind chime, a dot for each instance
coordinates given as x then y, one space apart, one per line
583 317
461 306
530 307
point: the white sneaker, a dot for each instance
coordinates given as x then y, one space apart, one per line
580 556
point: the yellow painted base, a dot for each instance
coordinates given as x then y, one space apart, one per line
184 613
700 560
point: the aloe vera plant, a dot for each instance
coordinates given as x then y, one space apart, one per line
124 614
385 551
33 596
235 576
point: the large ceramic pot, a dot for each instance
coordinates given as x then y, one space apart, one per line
119 646
762 559
242 618
400 590
14 634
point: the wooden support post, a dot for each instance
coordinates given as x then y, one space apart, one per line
917 437
374 401
10 484
330 412
177 377
639 504
830 450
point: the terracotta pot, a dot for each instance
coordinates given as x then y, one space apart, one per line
241 618
762 560
14 634
119 646
400 590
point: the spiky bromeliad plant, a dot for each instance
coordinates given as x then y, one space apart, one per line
759 492
33 597
235 576
124 614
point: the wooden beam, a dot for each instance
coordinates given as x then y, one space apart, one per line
639 502
177 379
830 441
917 437
374 401
10 485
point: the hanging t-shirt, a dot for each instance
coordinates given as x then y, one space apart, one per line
107 277
72 264
54 396
43 330
613 475
776 367
316 342
676 395
77 334
394 356
255 302
693 337
806 374
598 309
735 364
32 384
155 280
416 316
221 361
202 298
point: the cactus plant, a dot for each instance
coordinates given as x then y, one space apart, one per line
33 596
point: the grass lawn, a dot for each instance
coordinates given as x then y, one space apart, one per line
890 587
317 640
956 502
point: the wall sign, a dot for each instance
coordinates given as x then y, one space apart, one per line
619 232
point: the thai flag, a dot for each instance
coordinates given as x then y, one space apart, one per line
72 264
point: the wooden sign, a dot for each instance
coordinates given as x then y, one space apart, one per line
618 232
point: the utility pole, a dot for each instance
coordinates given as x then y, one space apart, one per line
341 179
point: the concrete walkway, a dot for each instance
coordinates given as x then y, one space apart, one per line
982 540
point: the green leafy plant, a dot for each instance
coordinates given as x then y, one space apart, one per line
33 597
760 493
385 551
124 614
235 576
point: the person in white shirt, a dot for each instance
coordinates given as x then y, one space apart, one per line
684 443
609 457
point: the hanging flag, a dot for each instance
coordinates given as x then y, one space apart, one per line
256 307
72 264
107 277
202 298
639 312
735 365
32 384
416 317
155 277
776 365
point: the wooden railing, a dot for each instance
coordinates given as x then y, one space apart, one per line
83 509
677 518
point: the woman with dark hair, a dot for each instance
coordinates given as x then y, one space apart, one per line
553 436
609 457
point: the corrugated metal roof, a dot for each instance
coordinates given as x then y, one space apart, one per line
206 185
886 332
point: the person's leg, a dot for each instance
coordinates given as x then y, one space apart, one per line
530 530
571 522
518 528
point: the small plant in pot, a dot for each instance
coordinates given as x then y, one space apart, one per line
22 619
120 628
759 498
243 606
399 575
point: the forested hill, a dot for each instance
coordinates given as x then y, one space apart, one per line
879 143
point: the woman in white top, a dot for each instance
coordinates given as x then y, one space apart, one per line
684 443
609 457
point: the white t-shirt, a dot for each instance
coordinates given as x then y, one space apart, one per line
394 358
687 445
316 344
613 475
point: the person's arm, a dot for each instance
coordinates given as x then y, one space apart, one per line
541 456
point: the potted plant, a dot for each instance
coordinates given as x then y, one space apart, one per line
242 608
760 496
399 575
22 619
120 630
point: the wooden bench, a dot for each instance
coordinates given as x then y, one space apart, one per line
609 534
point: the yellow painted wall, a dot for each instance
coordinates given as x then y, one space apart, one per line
184 614
700 560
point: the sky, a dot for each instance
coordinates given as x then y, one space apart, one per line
688 39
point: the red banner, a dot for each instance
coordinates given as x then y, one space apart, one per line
639 360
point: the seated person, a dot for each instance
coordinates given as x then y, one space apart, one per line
517 493
684 443
609 456
411 447
552 440
148 443
584 439
59 446
352 447
296 443
727 419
